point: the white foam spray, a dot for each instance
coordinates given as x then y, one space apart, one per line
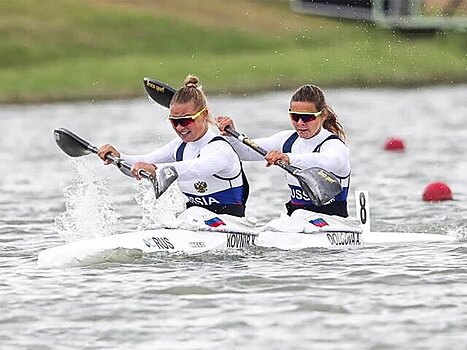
160 213
90 211
460 232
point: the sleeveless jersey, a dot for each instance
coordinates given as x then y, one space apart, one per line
219 194
300 200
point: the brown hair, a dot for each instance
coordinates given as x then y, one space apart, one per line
313 94
190 92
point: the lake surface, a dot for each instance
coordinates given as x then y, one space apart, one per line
406 296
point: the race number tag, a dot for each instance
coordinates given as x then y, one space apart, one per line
362 207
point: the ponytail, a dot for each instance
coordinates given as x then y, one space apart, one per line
332 124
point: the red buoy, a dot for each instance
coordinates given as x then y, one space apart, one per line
394 144
437 191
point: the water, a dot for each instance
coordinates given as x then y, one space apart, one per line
406 296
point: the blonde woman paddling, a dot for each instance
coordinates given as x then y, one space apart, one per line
209 170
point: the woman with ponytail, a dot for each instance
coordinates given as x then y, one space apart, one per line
317 140
209 170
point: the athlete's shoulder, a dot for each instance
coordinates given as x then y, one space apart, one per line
283 135
327 136
332 141
286 133
175 142
219 143
218 138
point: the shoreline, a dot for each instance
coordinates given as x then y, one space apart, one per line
211 93
63 50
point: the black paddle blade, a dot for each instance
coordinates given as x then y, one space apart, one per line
164 179
72 144
159 92
320 185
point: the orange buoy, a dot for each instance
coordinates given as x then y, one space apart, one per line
394 144
437 191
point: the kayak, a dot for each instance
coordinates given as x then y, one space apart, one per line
198 230
219 233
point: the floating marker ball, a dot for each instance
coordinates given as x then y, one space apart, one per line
394 144
437 191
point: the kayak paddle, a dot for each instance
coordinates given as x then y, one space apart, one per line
158 91
320 185
75 146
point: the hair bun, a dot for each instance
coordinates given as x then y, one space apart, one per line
191 81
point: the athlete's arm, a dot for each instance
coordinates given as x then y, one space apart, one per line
215 158
270 143
164 154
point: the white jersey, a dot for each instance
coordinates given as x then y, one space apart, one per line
334 156
208 172
321 151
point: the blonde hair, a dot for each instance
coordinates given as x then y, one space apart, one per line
192 92
313 94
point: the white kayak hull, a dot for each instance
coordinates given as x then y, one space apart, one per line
198 230
190 242
145 242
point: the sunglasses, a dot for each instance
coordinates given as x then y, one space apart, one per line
304 116
185 120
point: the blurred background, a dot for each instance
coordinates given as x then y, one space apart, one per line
56 50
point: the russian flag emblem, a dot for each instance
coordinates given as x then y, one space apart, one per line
319 222
214 222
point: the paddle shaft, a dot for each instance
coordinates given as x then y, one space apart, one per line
250 143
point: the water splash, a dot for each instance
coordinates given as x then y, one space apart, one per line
458 231
90 211
160 213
